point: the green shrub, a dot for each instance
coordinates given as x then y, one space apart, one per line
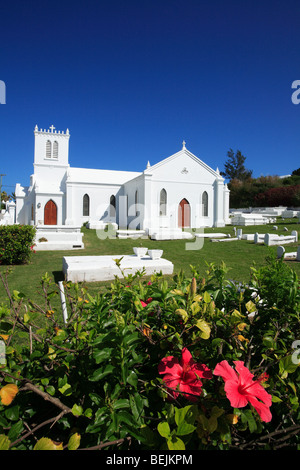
16 244
133 367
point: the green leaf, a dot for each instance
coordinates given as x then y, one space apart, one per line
195 308
206 297
15 430
276 399
100 373
184 429
175 443
122 403
4 442
46 444
204 329
248 417
187 414
74 441
66 390
287 366
50 390
250 306
77 410
137 405
164 429
132 379
182 313
131 339
185 418
125 417
102 355
12 413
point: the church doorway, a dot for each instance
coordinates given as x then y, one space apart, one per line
50 213
184 214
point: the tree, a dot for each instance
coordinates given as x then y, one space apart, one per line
235 168
3 198
296 172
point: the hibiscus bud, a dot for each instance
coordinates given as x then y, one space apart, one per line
193 286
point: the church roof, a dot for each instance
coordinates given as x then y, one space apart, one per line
86 175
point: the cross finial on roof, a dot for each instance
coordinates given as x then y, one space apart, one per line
183 144
52 128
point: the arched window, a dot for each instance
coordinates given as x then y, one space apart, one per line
112 206
86 205
136 202
205 204
55 149
163 202
48 149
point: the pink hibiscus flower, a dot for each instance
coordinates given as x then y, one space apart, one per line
241 389
183 376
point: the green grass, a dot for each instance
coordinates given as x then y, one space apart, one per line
239 256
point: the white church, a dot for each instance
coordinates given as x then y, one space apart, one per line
180 191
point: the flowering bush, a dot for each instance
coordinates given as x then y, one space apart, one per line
188 363
16 244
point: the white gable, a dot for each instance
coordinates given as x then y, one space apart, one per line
183 165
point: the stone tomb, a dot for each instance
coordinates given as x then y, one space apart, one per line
271 240
293 255
58 237
104 268
170 234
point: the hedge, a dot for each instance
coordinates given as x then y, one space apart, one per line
191 363
16 243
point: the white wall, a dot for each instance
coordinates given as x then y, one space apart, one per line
99 202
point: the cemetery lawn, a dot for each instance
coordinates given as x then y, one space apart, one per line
239 256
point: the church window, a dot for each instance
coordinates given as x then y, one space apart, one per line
55 149
86 205
48 149
205 204
163 202
112 206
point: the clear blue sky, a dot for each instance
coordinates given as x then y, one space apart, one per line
132 79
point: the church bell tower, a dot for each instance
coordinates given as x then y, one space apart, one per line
51 147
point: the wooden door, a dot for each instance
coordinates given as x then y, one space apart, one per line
184 214
50 213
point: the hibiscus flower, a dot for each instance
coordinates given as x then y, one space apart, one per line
241 389
144 304
183 376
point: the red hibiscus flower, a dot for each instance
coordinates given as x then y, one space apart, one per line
241 389
144 304
183 376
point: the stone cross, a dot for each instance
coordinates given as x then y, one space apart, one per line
52 128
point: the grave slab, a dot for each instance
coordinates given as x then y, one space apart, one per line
58 237
104 268
210 235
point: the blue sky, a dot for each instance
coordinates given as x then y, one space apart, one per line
132 79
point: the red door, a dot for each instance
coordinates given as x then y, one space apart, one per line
184 214
50 213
